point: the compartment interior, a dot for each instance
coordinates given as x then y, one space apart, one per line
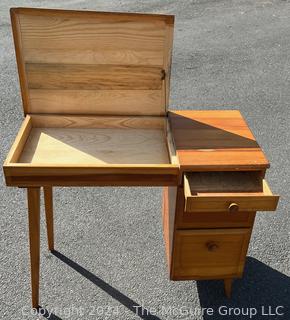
96 140
93 145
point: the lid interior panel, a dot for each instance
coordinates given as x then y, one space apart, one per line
82 62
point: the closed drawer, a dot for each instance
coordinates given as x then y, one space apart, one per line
210 253
227 192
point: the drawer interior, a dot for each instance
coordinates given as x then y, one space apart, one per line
227 191
204 183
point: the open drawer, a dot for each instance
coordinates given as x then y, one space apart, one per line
227 192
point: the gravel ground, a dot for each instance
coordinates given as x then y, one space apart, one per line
227 54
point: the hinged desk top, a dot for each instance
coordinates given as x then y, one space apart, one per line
86 62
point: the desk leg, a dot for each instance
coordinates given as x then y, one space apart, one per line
48 203
228 287
33 196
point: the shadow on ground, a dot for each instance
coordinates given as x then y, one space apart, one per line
113 292
261 288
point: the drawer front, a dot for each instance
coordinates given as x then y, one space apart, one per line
231 202
186 220
216 220
210 254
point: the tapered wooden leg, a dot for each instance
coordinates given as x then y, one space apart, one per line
228 287
48 203
33 196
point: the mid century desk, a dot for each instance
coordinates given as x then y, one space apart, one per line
95 90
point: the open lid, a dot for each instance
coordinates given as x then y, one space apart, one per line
84 62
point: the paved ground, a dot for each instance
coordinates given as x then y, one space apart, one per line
227 54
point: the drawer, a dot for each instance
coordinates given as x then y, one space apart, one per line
210 253
187 220
227 192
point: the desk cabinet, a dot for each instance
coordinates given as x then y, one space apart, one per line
208 218
95 92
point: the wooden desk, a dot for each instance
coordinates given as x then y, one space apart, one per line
95 91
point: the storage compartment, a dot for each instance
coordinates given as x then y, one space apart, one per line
207 253
94 145
102 141
95 88
227 192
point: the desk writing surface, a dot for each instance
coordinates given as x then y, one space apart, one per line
215 140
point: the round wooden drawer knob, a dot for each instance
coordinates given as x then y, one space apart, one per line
233 208
211 246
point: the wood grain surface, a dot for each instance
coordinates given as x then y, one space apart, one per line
105 122
33 200
92 150
206 201
112 102
89 54
48 205
215 140
95 146
92 77
169 204
210 219
210 253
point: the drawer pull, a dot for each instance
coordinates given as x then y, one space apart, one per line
212 246
233 208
